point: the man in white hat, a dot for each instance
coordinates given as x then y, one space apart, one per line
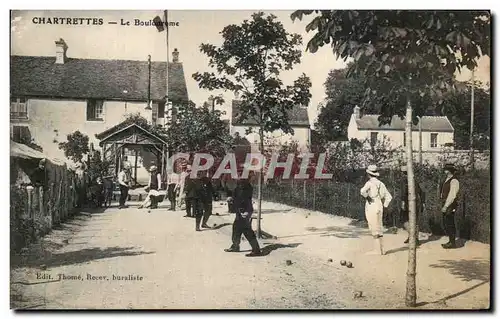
377 198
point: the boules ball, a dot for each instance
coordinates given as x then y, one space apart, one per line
343 262
349 264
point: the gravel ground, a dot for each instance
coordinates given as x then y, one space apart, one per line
174 267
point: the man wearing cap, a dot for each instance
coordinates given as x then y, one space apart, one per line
242 225
420 200
449 199
124 182
377 198
153 187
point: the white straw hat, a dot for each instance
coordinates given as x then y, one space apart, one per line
372 170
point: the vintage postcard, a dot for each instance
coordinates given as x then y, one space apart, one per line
309 159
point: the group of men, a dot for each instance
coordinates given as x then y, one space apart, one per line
378 197
197 195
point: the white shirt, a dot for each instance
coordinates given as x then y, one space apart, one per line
454 187
375 189
173 178
123 178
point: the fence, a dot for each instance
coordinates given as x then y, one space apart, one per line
34 211
340 196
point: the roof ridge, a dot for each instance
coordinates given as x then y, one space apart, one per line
91 59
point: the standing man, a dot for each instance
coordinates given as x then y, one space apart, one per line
243 209
207 192
124 182
420 202
194 199
377 198
173 181
186 170
449 200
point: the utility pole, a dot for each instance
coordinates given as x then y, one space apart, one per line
471 137
168 59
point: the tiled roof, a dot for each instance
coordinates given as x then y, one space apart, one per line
297 116
91 78
429 123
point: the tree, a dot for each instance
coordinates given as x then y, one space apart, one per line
343 94
249 61
199 129
457 107
404 56
76 146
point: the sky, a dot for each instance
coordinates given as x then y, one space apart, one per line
109 41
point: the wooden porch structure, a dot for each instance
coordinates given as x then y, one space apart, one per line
116 140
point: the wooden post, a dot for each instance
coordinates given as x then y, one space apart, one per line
304 190
135 167
471 137
117 162
314 194
104 149
30 200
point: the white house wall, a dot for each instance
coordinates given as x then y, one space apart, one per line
301 135
66 116
396 137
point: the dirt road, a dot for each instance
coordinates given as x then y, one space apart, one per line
132 259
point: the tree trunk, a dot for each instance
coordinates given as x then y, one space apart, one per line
411 289
259 186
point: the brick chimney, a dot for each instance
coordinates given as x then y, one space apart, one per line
175 56
356 112
61 49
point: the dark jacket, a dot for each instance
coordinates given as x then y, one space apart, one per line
207 190
243 198
193 188
420 195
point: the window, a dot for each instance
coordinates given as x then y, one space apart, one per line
373 138
18 108
21 134
434 140
95 110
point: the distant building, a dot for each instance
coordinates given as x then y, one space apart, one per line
297 117
52 97
437 131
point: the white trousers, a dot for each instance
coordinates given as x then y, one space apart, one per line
374 215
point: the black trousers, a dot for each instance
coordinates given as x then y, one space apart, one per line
190 203
123 195
207 211
242 226
171 195
449 225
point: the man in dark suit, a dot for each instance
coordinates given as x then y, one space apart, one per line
207 196
243 208
420 201
449 199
